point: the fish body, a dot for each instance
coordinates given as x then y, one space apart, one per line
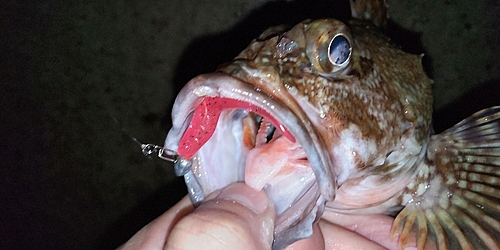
352 119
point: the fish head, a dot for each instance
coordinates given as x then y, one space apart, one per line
341 98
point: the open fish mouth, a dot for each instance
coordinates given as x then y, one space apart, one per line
230 132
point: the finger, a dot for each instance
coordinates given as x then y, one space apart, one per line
238 218
374 228
339 237
314 242
153 235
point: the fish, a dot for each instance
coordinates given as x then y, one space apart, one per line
332 116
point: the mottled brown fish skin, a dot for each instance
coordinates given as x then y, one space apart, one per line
386 93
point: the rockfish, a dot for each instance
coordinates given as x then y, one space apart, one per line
332 116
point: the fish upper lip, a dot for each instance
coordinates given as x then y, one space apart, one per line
223 85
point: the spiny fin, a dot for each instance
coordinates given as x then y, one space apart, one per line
374 11
456 197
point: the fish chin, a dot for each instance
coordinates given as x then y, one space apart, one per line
294 170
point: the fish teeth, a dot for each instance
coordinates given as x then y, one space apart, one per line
262 134
267 132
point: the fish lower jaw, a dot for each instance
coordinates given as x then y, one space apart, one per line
282 170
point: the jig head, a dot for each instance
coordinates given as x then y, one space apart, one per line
182 167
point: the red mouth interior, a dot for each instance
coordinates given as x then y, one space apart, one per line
205 120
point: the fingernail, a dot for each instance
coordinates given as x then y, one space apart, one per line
246 196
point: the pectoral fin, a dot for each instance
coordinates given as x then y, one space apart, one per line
458 204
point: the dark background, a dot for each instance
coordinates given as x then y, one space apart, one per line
80 80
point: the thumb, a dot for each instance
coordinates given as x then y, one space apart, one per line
237 218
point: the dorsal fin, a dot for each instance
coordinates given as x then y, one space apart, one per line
374 11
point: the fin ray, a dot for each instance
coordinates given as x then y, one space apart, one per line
476 177
422 230
485 116
479 199
448 221
442 243
480 216
478 168
476 228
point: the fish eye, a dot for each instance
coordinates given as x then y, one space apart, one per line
329 47
339 51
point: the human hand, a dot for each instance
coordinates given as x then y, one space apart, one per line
239 217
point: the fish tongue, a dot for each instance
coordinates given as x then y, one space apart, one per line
278 162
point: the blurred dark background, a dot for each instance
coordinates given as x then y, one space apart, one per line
80 80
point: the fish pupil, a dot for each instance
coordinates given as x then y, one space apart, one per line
339 50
